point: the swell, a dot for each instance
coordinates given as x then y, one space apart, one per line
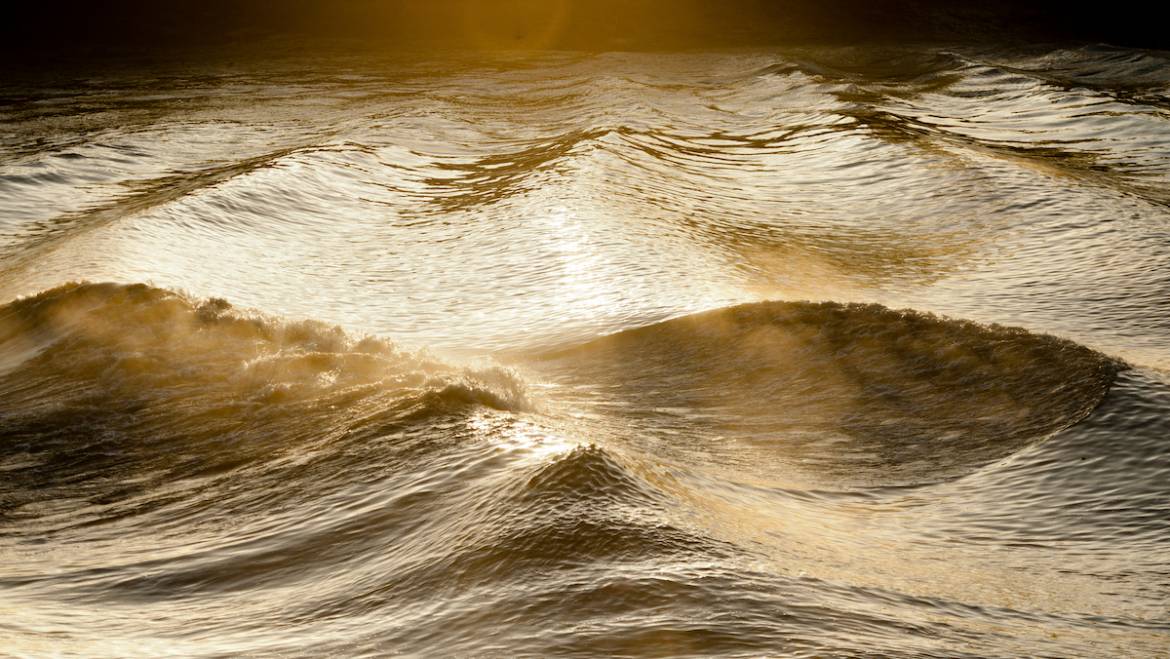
1130 76
223 467
776 477
689 169
110 392
1062 102
690 178
833 395
147 195
690 185
499 177
1097 169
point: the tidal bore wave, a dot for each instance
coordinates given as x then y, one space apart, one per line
812 352
823 386
239 440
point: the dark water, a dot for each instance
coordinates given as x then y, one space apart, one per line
804 352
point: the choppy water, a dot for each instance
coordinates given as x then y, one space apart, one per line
805 352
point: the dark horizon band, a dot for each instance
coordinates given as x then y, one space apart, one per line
127 27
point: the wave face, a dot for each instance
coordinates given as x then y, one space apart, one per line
801 352
859 392
109 383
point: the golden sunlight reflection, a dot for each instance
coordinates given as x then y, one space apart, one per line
535 443
581 289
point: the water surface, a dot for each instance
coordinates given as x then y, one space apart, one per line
811 351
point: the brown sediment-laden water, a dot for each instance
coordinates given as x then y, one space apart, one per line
818 351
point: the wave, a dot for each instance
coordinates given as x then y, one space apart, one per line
102 381
848 394
105 384
874 65
130 336
777 477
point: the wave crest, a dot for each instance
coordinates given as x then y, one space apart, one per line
138 337
107 384
853 392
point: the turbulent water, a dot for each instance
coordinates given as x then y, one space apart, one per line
809 352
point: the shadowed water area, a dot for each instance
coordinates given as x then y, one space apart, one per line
806 351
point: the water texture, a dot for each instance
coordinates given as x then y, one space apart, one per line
788 352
